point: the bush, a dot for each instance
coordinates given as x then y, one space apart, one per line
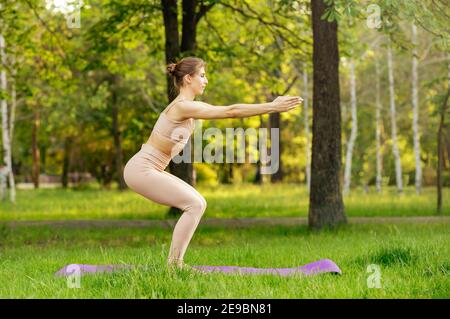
205 174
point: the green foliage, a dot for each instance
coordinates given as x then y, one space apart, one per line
206 175
69 78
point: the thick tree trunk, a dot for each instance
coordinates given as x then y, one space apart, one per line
354 132
398 165
326 207
415 105
172 47
189 27
173 51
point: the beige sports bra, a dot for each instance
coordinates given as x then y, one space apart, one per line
169 132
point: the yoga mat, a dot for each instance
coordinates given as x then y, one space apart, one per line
320 266
317 267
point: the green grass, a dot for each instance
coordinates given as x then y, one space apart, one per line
413 259
224 201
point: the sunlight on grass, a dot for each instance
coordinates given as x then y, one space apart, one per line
413 260
224 201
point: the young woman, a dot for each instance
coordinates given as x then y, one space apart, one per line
145 172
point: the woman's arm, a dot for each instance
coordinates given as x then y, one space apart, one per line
202 110
246 110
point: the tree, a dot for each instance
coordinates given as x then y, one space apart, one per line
440 146
415 106
7 119
306 124
326 207
192 13
378 124
351 142
395 150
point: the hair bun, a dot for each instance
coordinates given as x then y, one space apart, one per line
171 68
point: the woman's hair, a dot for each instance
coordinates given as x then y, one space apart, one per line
187 65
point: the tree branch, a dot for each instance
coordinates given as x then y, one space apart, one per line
290 85
202 11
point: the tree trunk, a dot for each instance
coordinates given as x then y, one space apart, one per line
172 47
12 183
66 162
13 97
378 128
398 166
173 52
191 17
440 148
351 142
326 207
118 156
189 27
306 123
275 122
36 170
7 172
415 105
440 151
258 176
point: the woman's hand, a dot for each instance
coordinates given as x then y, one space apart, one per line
286 103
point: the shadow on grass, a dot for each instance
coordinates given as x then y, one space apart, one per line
389 256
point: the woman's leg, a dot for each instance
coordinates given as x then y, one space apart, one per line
167 189
186 225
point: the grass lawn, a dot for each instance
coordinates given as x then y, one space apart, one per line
413 259
224 201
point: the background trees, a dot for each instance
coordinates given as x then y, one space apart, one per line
84 99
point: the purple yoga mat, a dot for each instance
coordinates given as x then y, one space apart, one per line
320 266
317 267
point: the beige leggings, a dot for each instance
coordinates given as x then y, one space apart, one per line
144 173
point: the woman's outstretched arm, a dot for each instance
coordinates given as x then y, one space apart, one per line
202 110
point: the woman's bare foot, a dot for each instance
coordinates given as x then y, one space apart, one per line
178 264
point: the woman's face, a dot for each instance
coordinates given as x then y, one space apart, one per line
199 81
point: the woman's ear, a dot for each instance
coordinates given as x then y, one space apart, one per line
188 79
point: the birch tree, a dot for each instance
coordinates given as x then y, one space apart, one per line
398 166
351 142
7 171
415 106
378 127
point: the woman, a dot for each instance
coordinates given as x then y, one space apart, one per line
144 172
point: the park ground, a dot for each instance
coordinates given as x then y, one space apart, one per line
399 235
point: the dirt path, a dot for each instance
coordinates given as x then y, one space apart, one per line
224 222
